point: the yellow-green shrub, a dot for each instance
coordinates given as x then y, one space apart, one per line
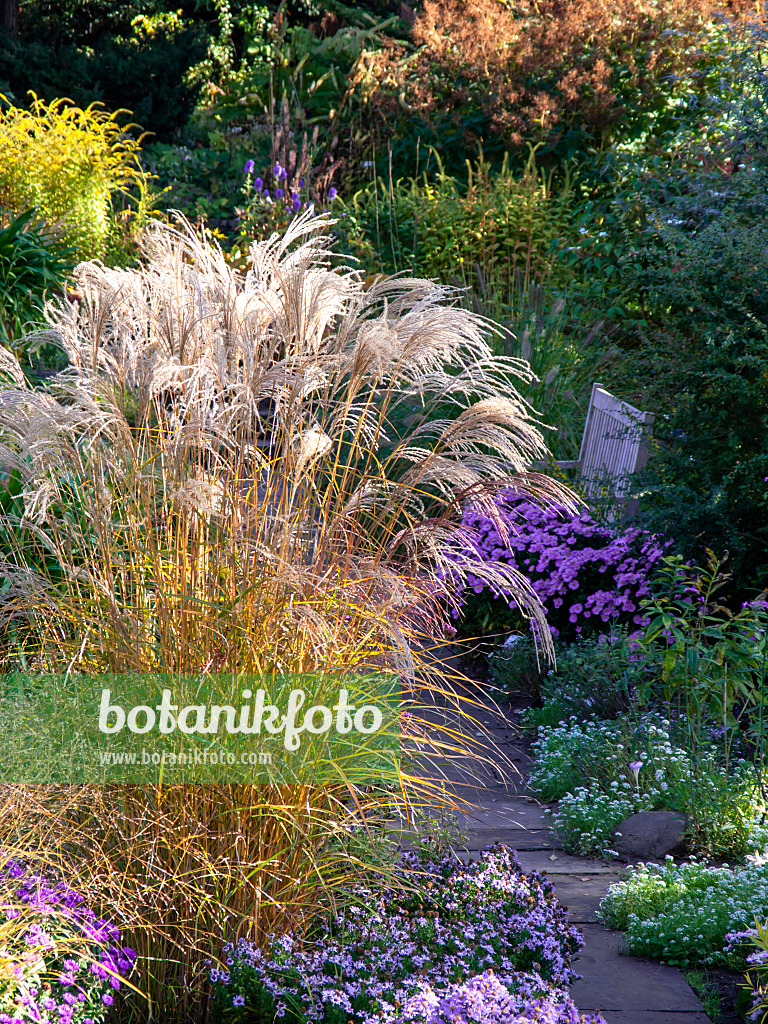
71 164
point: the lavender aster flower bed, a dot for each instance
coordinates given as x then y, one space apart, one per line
586 574
476 944
68 962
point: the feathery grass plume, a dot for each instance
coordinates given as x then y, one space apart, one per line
223 479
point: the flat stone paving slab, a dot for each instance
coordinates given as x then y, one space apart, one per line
505 812
654 1017
562 863
613 982
581 894
519 839
470 771
517 822
626 990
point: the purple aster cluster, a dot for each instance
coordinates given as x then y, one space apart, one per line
585 573
70 962
466 944
485 1000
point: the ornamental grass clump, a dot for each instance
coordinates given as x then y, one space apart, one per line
454 942
214 485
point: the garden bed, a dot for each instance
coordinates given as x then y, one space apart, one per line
478 942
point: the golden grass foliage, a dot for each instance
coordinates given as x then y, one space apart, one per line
70 164
253 472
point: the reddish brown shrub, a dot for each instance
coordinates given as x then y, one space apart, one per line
534 67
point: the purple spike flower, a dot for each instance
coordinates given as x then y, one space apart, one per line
258 184
249 167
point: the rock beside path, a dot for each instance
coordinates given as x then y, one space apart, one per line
650 835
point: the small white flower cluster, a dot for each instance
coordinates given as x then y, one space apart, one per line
603 772
689 914
587 819
574 752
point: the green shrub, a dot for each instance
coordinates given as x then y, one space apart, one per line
711 663
577 77
489 234
33 264
133 55
201 181
704 284
684 221
592 677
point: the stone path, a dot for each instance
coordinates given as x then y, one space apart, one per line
626 990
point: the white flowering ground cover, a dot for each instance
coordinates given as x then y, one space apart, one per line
689 914
603 772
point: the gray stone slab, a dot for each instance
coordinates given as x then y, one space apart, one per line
476 841
562 864
504 813
654 1017
482 792
519 823
613 982
581 894
517 840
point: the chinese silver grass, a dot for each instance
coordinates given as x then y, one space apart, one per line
256 471
291 384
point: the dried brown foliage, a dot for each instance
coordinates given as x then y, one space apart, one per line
534 66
